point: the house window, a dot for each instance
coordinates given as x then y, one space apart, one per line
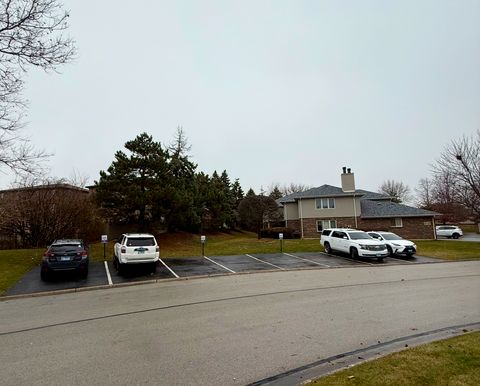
326 224
397 222
325 203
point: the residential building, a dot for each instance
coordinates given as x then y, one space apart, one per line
328 206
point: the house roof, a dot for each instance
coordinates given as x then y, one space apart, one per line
331 191
378 209
373 205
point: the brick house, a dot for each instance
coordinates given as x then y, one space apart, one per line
329 206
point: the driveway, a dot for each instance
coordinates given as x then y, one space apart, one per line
230 330
104 274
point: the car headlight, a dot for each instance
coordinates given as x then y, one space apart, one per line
362 246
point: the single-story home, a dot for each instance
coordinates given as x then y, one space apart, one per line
328 206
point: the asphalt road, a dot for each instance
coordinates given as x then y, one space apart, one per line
229 330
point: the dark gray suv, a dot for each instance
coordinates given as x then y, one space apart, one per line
65 255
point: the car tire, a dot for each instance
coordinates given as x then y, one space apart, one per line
390 251
354 253
45 276
115 263
455 236
84 273
328 249
120 268
154 267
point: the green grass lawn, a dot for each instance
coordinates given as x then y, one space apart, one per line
449 249
14 263
455 361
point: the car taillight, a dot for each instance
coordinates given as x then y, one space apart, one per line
157 249
83 253
123 250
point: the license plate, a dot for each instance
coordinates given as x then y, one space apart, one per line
379 255
65 258
140 252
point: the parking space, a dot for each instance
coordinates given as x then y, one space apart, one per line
31 281
103 273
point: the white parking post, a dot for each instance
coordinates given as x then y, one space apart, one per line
280 236
203 238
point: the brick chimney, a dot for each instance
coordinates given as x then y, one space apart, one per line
348 180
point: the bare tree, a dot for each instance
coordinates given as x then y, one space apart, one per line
395 189
180 145
459 163
424 193
287 189
30 35
35 215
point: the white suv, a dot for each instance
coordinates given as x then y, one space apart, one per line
395 244
450 231
136 248
354 242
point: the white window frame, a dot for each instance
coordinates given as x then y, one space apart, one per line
325 200
329 222
397 222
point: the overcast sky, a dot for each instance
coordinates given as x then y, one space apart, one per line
271 91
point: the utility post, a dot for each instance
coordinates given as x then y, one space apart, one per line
104 240
280 237
203 238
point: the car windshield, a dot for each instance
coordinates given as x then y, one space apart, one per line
391 236
65 248
359 235
140 242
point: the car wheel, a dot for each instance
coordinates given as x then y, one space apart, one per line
354 253
154 267
120 268
327 248
44 275
84 273
455 236
390 250
115 263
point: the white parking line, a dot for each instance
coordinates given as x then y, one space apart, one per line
109 278
166 266
355 261
265 262
310 261
394 258
220 265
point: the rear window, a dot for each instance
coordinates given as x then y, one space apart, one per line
65 248
140 242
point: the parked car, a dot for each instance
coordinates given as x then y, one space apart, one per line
65 255
450 231
354 242
395 244
136 248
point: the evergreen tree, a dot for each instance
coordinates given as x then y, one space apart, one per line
131 189
275 193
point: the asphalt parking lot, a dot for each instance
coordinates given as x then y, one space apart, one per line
103 273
